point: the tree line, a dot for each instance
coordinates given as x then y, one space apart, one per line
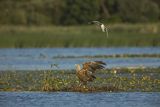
77 12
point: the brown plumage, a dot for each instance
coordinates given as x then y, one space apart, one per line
86 73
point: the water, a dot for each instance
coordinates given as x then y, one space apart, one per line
72 99
42 58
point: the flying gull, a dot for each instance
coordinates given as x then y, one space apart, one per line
102 26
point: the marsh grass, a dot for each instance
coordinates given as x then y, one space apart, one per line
79 36
124 79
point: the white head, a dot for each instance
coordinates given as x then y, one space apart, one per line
78 67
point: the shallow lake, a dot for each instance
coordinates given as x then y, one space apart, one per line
43 58
72 99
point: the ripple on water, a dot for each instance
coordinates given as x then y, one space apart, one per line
72 99
43 58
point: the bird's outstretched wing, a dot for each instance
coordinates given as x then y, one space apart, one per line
96 22
93 65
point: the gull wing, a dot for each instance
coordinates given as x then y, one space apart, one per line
96 22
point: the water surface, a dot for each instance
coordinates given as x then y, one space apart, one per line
43 58
72 99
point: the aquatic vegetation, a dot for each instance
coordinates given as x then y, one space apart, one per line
114 56
124 79
79 36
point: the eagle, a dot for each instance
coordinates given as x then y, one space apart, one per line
102 26
86 73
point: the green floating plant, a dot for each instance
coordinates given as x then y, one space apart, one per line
124 80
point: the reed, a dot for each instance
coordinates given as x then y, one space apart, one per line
79 36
